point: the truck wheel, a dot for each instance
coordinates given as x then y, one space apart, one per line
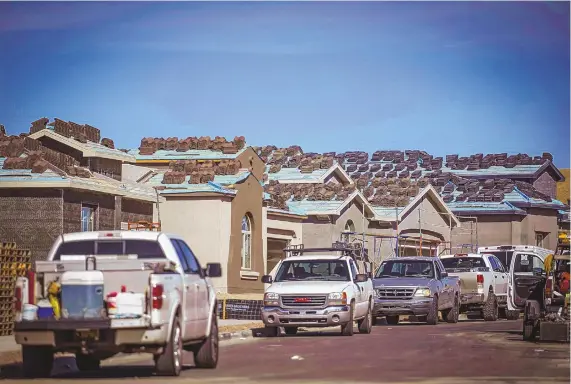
169 363
206 355
271 331
87 363
490 310
512 315
366 324
529 330
290 330
392 320
347 329
37 362
453 313
432 317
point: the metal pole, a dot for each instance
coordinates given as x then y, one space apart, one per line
420 232
477 242
450 239
471 236
397 232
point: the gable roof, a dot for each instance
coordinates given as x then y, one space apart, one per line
431 193
88 149
295 176
330 207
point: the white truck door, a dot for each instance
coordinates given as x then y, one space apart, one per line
495 273
190 307
359 289
201 308
523 275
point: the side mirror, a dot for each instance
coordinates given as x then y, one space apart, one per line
444 274
538 271
361 278
213 270
267 279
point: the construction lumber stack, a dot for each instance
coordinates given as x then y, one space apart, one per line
14 262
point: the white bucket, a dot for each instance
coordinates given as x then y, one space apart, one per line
29 312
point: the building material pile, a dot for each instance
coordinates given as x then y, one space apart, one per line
150 145
22 152
281 193
79 132
14 262
200 172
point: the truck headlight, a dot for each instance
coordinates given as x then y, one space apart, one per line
422 292
337 298
272 299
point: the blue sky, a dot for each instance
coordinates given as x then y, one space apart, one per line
449 77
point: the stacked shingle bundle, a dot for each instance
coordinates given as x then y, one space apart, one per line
150 145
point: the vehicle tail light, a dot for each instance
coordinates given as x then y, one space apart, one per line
18 295
157 294
480 282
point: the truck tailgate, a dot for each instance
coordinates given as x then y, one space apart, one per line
468 281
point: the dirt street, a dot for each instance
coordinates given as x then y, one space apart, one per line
467 352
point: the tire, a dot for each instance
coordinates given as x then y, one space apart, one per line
392 320
86 363
366 324
529 331
512 315
169 363
347 329
271 331
37 362
490 311
207 352
432 317
290 330
453 314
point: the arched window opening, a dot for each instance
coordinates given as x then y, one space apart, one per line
349 226
246 243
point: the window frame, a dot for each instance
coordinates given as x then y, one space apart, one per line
93 213
246 238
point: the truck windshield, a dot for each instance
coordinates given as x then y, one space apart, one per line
406 268
455 263
306 270
144 249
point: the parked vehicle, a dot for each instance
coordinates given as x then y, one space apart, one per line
102 293
504 253
319 287
540 287
483 284
416 285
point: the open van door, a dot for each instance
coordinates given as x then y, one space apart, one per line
526 270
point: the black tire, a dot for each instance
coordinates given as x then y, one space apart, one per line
271 331
290 330
366 324
37 362
432 317
392 320
452 315
206 353
169 363
86 363
512 315
529 331
490 311
347 329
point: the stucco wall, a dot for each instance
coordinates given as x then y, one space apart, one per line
205 225
540 220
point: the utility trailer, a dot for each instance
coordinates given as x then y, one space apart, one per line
546 313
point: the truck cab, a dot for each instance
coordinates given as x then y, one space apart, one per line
317 287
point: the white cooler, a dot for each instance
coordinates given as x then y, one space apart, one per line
82 295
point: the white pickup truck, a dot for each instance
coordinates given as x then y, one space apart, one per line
176 310
321 289
483 284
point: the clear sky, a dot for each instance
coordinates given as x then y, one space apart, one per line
449 77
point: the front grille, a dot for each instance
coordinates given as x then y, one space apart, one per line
394 293
304 301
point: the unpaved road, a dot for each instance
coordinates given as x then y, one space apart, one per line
467 352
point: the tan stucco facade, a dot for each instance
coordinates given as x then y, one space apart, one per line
492 230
